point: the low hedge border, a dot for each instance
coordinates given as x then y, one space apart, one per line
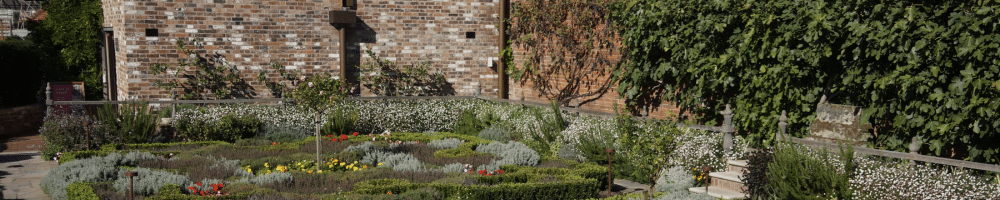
110 148
517 182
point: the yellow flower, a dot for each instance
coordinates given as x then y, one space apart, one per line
320 171
379 164
269 171
364 167
355 161
249 170
310 171
265 165
342 164
355 168
331 166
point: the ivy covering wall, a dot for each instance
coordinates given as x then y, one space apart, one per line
929 69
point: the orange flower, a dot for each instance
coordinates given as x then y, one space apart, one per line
390 192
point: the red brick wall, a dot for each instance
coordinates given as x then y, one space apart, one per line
20 119
250 34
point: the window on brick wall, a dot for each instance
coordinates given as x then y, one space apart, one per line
152 32
470 35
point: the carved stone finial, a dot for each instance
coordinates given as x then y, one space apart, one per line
783 117
727 111
822 99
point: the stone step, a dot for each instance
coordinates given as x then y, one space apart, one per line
736 165
718 192
728 180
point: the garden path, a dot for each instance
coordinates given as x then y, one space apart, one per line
22 168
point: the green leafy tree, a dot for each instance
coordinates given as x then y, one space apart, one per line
70 29
316 94
921 69
647 149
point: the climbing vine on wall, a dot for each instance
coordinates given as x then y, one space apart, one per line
921 69
568 47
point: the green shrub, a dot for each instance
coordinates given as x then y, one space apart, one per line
339 122
548 129
132 121
755 175
65 133
81 191
798 173
229 128
93 170
468 124
284 133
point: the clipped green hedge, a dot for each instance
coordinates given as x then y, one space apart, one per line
81 191
517 182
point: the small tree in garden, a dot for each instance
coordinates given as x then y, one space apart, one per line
316 93
647 151
203 75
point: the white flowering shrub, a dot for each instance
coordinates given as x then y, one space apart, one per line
698 148
448 143
148 182
511 153
396 161
875 179
276 178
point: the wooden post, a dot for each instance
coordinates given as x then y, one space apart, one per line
610 180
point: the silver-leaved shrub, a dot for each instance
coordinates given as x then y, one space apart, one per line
396 161
94 169
447 143
148 182
511 153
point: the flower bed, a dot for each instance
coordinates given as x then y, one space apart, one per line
352 166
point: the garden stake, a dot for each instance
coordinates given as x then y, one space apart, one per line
610 151
130 183
706 169
86 129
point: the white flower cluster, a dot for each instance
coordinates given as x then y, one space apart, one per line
698 148
875 179
285 115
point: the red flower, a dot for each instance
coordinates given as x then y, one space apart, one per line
274 143
482 172
499 171
202 193
199 184
192 189
343 137
355 134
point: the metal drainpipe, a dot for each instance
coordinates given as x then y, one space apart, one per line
502 67
343 48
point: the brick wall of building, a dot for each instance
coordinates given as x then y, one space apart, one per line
250 34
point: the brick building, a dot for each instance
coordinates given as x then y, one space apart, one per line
459 38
